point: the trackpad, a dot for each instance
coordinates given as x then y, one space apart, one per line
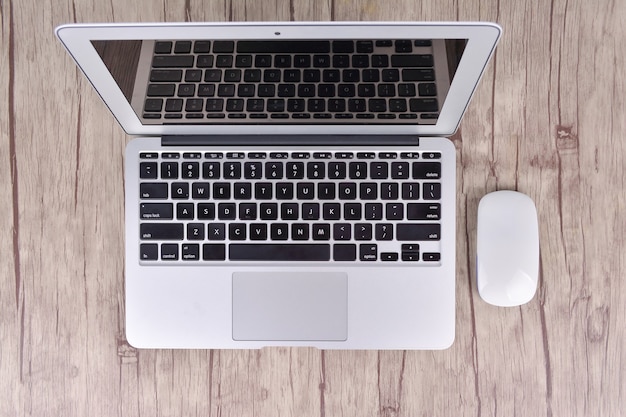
290 306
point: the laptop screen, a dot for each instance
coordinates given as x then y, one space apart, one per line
208 81
284 78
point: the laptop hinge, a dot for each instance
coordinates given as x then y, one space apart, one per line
289 140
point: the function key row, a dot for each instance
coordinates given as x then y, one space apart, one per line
293 155
292 46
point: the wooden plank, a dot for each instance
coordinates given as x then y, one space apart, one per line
547 119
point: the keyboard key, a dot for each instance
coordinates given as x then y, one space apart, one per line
269 211
358 170
216 231
394 211
388 256
169 252
243 61
412 61
305 190
180 190
284 190
283 47
423 211
389 191
263 191
206 211
190 252
363 231
163 47
200 47
364 47
153 105
426 170
161 231
431 256
368 191
342 231
373 211
156 211
204 61
223 47
221 190
148 170
184 211
352 211
242 191
427 89
431 155
247 211
224 61
418 75
148 252
326 190
161 90
237 231
432 191
172 61
279 231
310 211
166 75
279 252
258 231
213 252
151 190
368 252
410 256
403 46
273 170
413 232
320 231
195 231
289 211
347 191
226 211
360 61
344 252
410 191
331 211
423 105
295 170
300 231
384 231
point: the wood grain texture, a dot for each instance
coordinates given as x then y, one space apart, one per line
548 119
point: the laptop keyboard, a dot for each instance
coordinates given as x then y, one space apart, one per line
341 81
290 206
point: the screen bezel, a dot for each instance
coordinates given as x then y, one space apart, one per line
481 41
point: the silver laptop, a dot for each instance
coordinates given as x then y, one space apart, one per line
291 183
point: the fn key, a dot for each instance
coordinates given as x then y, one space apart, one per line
148 252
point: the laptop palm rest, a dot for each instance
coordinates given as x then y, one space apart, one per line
290 306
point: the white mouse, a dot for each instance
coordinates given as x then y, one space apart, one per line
507 248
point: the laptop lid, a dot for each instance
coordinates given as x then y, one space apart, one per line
111 57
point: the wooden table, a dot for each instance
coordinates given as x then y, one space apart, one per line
549 119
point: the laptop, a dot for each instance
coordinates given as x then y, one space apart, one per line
290 184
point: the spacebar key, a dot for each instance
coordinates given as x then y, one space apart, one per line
279 252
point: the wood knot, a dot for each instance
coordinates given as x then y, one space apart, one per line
597 323
125 351
566 139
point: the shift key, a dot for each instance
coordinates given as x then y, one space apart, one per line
413 232
161 231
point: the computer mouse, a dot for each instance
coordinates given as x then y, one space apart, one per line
507 248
